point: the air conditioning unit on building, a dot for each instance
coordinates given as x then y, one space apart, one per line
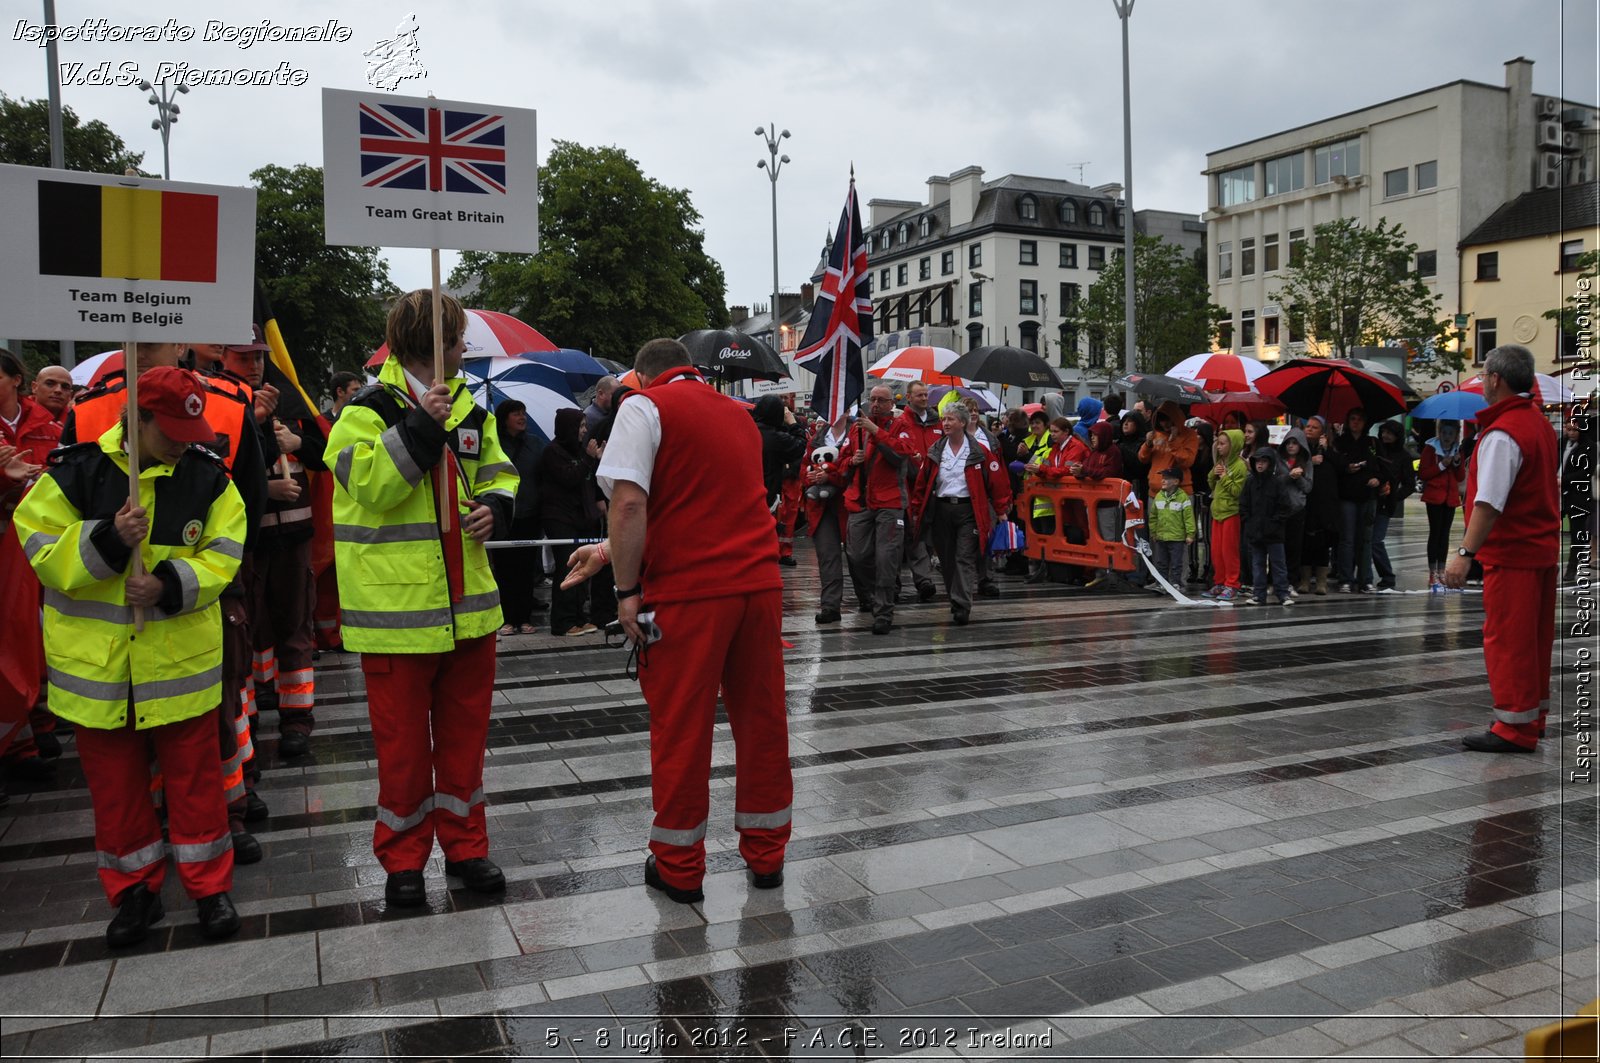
1546 106
1547 170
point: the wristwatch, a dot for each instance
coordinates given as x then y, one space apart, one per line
1462 551
629 593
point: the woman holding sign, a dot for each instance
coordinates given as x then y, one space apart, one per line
418 598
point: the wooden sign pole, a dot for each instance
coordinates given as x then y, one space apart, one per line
441 471
130 366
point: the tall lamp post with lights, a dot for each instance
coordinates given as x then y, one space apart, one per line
772 164
164 99
1124 12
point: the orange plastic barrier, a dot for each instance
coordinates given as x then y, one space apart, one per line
1092 523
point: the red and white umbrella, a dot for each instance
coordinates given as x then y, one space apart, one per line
927 364
1551 392
1220 372
490 334
88 372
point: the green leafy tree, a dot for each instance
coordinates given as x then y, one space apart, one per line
1575 317
330 301
1358 286
1173 316
89 146
621 259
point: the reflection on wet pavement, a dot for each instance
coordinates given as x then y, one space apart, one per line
1095 827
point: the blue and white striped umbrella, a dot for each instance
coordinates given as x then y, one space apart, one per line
543 389
582 371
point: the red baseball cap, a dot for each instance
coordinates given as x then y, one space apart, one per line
174 397
258 343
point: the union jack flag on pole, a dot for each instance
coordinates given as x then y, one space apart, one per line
842 320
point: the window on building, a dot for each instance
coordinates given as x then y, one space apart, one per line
1068 212
1097 214
1236 186
1030 336
1396 182
1485 332
1269 253
1069 256
975 299
1567 345
1069 342
1070 294
1571 251
869 283
1116 217
1427 263
1027 252
883 240
1269 331
905 233
974 255
1247 328
1286 173
1097 257
1247 257
1427 175
1029 301
1338 160
1097 348
924 268
925 226
1224 259
1488 265
947 263
1225 334
1297 246
883 278
1028 208
902 273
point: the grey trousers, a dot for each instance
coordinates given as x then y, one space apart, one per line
955 537
1168 557
876 536
827 538
920 559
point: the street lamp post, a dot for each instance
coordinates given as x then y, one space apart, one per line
164 100
1124 10
772 164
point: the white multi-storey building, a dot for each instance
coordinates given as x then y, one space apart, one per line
1438 162
996 262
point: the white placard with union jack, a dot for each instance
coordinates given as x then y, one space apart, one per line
410 171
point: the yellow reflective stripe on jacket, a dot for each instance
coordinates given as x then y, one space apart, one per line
393 590
172 670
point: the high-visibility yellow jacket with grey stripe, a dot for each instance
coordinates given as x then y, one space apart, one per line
172 670
394 596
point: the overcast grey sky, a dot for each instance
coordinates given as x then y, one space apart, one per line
902 89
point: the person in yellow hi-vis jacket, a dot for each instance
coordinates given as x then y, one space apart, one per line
128 690
419 604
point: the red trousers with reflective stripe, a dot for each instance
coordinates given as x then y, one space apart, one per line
430 720
788 514
325 614
127 834
1519 634
735 644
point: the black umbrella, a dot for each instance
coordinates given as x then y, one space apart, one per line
733 355
1161 387
614 367
1006 365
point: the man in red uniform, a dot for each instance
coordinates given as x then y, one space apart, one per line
1514 531
691 550
923 421
880 460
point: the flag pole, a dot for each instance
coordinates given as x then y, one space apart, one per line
130 366
441 488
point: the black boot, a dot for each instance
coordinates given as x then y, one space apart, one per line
405 889
480 874
218 917
137 911
653 879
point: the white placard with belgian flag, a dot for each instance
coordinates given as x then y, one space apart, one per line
101 257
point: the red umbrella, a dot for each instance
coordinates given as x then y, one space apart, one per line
490 334
926 364
1331 387
1220 372
1253 406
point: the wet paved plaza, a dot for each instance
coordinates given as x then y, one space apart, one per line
1086 827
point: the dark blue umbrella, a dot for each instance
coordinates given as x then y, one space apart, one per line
541 388
1450 406
583 372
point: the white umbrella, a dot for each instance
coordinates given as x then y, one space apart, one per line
926 364
543 389
85 370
